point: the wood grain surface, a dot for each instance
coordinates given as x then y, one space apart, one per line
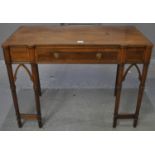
71 35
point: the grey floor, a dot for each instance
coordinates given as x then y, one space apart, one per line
78 94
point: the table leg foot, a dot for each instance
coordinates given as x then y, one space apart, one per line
19 123
115 123
135 122
40 124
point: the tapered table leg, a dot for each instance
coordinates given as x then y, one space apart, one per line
118 89
14 94
140 93
37 92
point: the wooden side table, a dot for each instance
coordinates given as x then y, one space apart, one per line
77 45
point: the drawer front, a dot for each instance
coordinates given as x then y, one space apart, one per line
19 54
135 55
49 55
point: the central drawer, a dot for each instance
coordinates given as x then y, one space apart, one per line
76 55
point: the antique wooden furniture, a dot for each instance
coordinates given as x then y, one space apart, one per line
77 45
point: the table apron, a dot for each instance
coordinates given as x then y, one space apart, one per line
49 55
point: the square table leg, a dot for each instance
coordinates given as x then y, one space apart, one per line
120 77
36 86
118 89
14 93
116 81
38 79
140 93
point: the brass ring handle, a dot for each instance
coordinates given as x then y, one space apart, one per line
56 55
99 55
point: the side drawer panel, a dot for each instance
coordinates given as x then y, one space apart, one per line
19 54
135 55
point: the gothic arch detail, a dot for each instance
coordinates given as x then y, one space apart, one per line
137 68
26 69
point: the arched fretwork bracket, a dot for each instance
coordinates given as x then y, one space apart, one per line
137 68
26 69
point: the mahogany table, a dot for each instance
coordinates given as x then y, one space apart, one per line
119 45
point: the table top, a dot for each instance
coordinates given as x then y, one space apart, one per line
77 34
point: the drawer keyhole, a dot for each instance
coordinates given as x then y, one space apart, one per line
99 55
56 55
